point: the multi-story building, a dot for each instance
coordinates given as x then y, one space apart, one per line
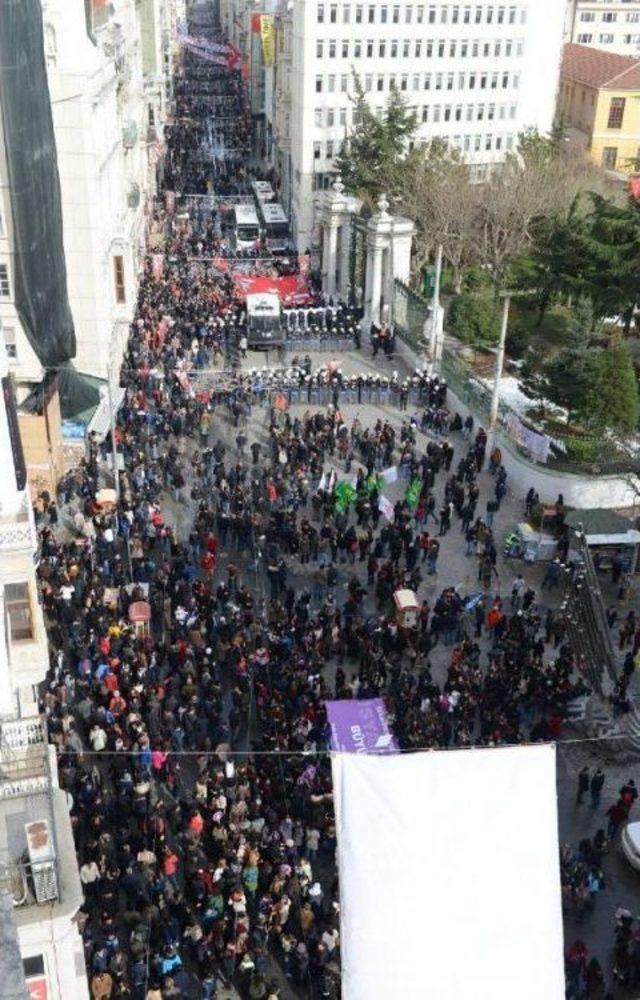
470 71
37 855
613 25
599 104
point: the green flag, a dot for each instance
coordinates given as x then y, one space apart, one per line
343 495
414 489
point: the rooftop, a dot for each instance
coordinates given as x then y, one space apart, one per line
597 521
599 69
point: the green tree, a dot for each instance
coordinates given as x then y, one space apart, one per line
570 372
612 258
374 155
612 400
475 319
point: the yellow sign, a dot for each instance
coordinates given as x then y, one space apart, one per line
267 34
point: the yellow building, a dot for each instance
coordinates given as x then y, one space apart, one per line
599 105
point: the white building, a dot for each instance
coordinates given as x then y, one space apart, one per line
613 25
38 865
475 73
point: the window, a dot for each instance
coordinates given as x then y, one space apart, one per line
332 49
478 17
605 39
508 47
488 141
330 149
404 80
346 14
429 49
357 50
438 81
18 607
118 278
317 117
320 13
344 83
585 39
432 15
633 18
10 342
436 113
447 112
318 85
319 50
5 290
489 17
381 49
394 50
333 13
443 15
408 15
467 15
368 82
425 113
359 13
609 157
416 81
369 50
380 83
343 116
331 117
419 15
345 50
450 81
317 150
588 15
609 17
33 966
497 49
405 50
383 15
441 49
418 49
458 112
427 81
632 39
616 112
455 15
512 15
331 80
395 17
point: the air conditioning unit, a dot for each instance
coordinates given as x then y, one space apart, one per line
42 860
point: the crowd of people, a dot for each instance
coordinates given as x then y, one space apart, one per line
194 746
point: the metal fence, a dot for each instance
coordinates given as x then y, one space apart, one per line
569 452
409 312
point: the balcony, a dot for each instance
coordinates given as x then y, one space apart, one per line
133 196
17 530
130 135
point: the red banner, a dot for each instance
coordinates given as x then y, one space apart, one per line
292 289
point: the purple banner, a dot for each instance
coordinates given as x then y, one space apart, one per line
360 726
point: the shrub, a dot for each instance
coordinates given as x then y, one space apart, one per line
474 320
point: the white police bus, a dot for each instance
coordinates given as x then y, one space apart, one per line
246 226
265 328
275 225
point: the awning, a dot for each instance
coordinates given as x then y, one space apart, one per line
100 422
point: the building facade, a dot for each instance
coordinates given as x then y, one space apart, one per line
599 104
38 867
613 25
470 71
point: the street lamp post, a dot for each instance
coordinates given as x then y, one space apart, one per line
495 398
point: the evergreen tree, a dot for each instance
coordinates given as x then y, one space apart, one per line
373 156
612 401
570 372
612 258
